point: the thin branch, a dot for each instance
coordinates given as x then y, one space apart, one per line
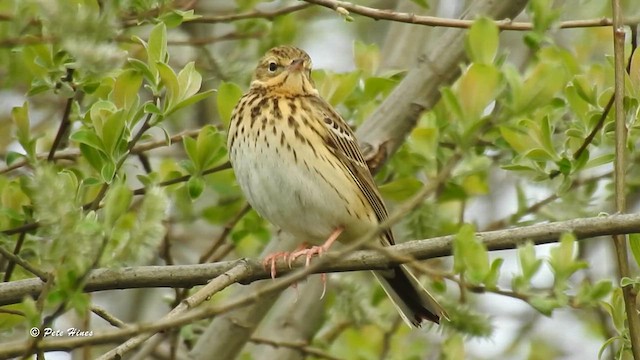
344 8
225 232
300 346
255 14
541 233
108 317
63 129
185 276
620 240
16 251
74 153
184 178
95 204
217 284
25 265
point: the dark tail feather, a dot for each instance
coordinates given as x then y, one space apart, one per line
411 299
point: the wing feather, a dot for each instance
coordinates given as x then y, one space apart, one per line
342 142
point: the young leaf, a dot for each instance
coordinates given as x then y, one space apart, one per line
125 88
228 96
482 41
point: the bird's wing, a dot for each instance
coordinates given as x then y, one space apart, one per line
342 142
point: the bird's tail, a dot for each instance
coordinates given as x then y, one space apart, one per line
411 299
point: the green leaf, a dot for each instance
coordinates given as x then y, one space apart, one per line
13 156
482 41
337 87
20 117
544 304
422 3
366 57
529 263
96 158
143 69
195 186
400 189
228 96
478 87
373 86
117 202
113 131
189 81
563 262
210 146
627 281
88 138
491 280
170 81
191 148
470 256
190 101
125 88
175 17
519 141
157 46
108 171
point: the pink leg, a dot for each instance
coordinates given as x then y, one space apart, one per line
317 250
269 261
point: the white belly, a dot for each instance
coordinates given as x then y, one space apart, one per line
295 198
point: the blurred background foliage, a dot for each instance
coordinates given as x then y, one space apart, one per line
113 117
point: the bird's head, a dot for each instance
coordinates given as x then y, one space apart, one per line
285 70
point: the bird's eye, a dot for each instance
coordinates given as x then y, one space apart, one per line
272 66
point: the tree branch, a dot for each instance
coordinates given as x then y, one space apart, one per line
410 18
360 260
438 65
185 276
620 169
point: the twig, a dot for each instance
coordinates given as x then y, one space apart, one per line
506 24
214 286
620 240
16 251
64 122
71 154
255 14
18 260
105 315
300 346
225 232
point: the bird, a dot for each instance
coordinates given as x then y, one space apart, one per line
299 166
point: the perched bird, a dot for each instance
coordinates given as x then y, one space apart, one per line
299 166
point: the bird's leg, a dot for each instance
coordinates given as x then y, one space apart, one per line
319 250
316 250
270 260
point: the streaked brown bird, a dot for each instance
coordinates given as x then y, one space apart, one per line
299 166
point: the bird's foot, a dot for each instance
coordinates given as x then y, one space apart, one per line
269 262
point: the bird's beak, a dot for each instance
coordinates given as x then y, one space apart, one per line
297 65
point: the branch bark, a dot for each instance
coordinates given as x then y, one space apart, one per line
620 169
194 275
359 260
